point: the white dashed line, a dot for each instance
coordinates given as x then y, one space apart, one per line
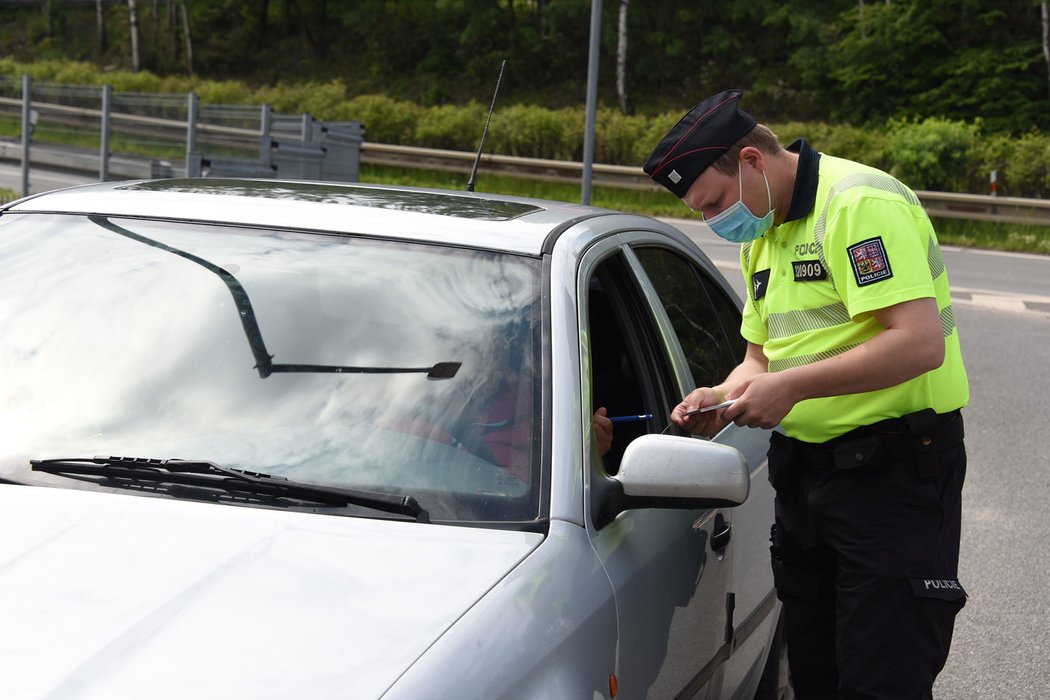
999 301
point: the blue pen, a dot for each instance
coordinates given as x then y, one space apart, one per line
631 419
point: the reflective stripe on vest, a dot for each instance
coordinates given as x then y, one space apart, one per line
875 182
786 324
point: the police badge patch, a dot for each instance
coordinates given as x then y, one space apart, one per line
869 260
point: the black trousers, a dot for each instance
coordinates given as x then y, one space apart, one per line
865 556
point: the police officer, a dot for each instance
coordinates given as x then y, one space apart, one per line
852 349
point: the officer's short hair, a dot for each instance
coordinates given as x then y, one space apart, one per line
760 137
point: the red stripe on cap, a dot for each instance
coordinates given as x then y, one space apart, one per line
699 121
689 153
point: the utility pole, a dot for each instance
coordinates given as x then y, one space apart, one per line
592 100
27 130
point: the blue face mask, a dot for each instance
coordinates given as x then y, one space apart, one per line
737 224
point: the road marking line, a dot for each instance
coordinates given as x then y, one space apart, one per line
998 303
1037 298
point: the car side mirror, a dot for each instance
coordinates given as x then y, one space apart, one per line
668 471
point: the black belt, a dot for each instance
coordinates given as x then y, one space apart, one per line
924 430
923 425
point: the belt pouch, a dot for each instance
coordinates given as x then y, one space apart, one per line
923 425
856 453
779 462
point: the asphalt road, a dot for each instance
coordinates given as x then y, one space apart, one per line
1002 308
1001 301
1002 645
39 180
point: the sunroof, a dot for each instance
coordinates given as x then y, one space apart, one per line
462 206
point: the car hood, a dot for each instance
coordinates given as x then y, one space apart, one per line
119 596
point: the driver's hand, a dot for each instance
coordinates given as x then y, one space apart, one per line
603 430
706 424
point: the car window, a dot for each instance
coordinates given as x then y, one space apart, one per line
629 368
368 364
705 320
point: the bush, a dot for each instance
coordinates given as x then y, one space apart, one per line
74 74
385 119
321 100
1027 168
868 146
535 132
991 152
451 127
936 154
932 154
230 92
620 139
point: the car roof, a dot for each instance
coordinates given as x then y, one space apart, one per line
472 219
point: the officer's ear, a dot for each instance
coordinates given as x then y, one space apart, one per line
753 157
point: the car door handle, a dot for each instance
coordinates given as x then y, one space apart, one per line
720 540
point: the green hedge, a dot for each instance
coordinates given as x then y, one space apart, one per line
933 154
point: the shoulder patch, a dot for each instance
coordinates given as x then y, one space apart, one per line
759 283
870 262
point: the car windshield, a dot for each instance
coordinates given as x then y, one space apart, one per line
368 364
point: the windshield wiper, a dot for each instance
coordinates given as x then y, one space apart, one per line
133 472
264 363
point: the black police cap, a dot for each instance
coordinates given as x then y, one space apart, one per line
697 140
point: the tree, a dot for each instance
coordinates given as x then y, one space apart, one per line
262 19
172 28
858 61
621 56
1046 40
49 12
133 30
188 37
100 24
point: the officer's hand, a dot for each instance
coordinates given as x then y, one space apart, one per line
603 431
761 402
706 424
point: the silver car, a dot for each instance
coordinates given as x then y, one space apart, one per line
276 439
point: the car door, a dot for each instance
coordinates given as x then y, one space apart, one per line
670 568
706 322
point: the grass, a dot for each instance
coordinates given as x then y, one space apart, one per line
1023 238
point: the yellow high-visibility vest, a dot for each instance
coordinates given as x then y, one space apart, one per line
866 244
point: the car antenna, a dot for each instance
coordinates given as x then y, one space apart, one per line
485 131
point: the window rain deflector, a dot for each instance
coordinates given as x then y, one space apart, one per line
263 359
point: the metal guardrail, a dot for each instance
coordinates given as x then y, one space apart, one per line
976 207
938 204
516 166
211 140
